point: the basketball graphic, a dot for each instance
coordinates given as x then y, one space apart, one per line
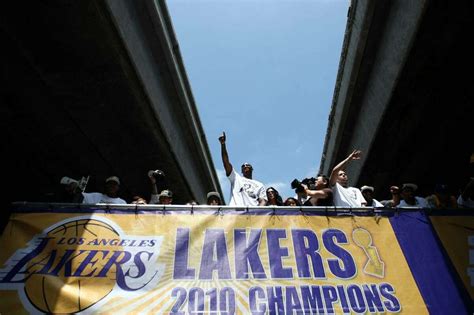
66 277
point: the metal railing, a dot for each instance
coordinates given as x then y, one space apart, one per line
327 211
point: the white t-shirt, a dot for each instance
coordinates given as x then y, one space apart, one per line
347 196
465 203
244 191
101 198
419 202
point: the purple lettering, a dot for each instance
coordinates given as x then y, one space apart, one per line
181 258
246 253
312 300
254 294
330 297
87 261
303 252
372 297
275 254
25 260
342 296
275 298
66 262
114 260
46 267
293 303
356 299
392 305
348 269
214 239
121 276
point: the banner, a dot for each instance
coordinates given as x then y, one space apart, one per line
457 236
203 263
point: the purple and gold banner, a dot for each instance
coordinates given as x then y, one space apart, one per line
457 236
184 263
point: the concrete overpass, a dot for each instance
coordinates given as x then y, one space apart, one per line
403 95
97 88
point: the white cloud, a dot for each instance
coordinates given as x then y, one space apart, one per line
280 186
283 188
221 175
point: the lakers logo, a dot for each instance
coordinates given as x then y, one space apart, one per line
79 263
374 265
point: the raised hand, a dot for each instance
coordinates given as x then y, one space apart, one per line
355 155
222 138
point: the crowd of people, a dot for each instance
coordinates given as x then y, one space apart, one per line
72 193
321 191
335 191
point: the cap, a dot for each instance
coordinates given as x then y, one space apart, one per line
213 194
367 188
67 180
166 193
247 165
114 179
409 185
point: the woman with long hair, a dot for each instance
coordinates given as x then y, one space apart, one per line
273 197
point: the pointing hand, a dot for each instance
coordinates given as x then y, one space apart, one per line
222 138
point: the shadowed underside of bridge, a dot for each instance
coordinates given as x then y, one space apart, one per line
97 88
403 95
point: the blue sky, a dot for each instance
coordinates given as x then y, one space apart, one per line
264 72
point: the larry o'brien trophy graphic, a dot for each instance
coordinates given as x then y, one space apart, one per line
84 262
374 265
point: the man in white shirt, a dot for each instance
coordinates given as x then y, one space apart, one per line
344 196
409 199
244 190
112 186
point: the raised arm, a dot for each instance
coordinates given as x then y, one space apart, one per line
355 155
154 189
225 156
